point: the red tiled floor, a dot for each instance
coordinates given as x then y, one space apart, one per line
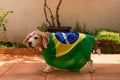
107 72
5 68
24 71
31 68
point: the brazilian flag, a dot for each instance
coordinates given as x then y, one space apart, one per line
68 50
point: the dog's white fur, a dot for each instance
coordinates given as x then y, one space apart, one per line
41 39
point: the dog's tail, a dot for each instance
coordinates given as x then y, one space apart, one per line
96 48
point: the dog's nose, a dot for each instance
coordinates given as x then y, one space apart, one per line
30 43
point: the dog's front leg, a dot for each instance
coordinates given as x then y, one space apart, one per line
47 69
91 66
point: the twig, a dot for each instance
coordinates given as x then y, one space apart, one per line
51 14
57 13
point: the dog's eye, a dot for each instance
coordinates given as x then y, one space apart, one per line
30 36
35 37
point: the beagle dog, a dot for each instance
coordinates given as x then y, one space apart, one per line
43 40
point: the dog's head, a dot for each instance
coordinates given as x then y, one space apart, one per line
37 39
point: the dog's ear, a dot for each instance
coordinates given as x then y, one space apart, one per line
25 41
45 39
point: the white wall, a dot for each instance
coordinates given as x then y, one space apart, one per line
28 14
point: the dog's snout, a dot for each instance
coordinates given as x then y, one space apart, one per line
30 43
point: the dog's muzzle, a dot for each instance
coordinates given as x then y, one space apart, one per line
30 44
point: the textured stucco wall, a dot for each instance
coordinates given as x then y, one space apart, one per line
28 14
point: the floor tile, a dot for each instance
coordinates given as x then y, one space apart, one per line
107 72
25 71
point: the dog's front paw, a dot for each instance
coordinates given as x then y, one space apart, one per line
46 70
92 70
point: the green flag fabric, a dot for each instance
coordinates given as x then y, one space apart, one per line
68 56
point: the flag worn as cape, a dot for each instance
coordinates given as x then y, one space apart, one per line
68 50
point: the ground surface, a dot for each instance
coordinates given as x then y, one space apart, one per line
24 67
